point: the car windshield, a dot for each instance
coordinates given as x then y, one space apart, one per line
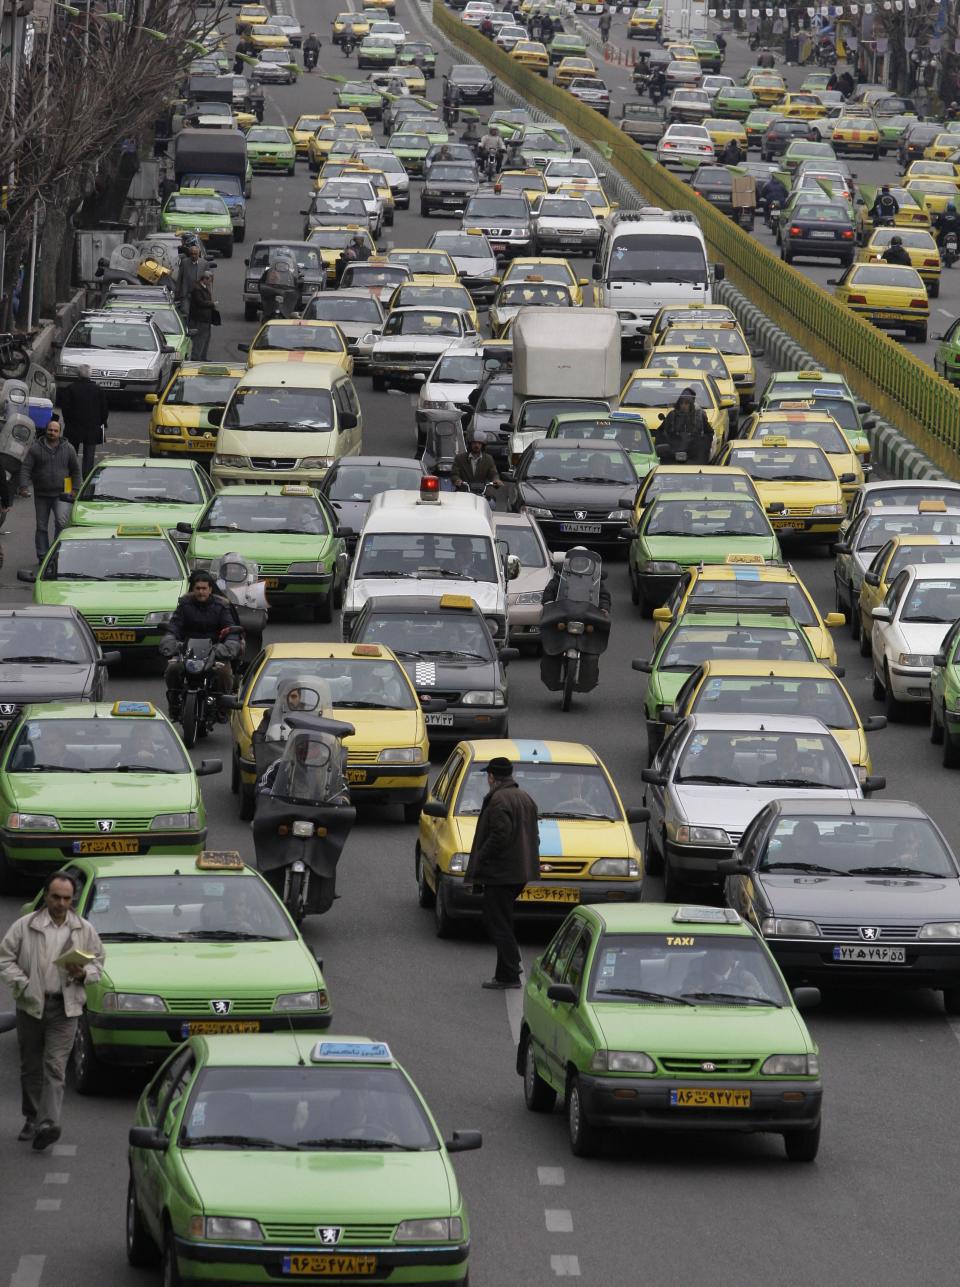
25 637
430 634
200 390
756 592
411 142
306 257
522 541
907 554
497 208
135 745
138 484
821 698
664 392
375 275
333 306
712 363
361 482
632 436
565 208
783 464
302 515
284 409
196 205
824 433
424 261
725 757
496 396
578 465
362 683
726 339
426 557
934 602
858 846
464 245
701 969
706 518
132 337
690 646
113 559
344 208
533 294
213 905
446 172
559 790
412 295
420 323
575 169
459 368
877 529
314 339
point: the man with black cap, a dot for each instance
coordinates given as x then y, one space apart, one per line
505 855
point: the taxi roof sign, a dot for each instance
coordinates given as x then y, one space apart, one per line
295 489
456 601
147 529
143 710
774 440
220 860
933 505
693 915
367 650
351 1052
744 558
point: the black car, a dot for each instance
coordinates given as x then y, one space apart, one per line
473 82
448 651
504 220
856 894
642 122
916 139
352 481
448 187
48 653
492 403
573 490
780 133
715 184
817 230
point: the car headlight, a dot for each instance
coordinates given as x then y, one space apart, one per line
787 927
621 1061
173 821
536 511
921 660
436 404
829 509
442 1229
458 862
157 618
400 755
233 462
316 462
615 867
479 698
940 929
791 1066
527 599
619 515
660 566
702 836
223 228
145 1001
227 1228
309 569
32 822
297 1001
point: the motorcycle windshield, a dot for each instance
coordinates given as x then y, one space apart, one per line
310 770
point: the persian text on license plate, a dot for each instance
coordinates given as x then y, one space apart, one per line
116 636
583 529
443 720
204 1027
107 384
788 524
549 894
871 954
106 845
331 1266
709 1097
271 582
828 236
356 775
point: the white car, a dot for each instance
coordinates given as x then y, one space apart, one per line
565 226
885 492
344 186
125 351
446 390
682 72
507 37
712 85
290 27
412 339
566 171
681 143
274 67
475 262
358 314
474 11
522 536
691 105
908 628
392 31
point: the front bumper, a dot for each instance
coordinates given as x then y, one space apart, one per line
909 684
137 1040
810 960
645 1101
228 475
568 242
401 368
298 586
415 1266
143 636
697 864
801 525
30 854
405 783
466 722
184 442
461 901
556 537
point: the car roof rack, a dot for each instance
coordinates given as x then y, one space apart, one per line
651 212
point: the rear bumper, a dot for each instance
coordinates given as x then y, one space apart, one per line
461 901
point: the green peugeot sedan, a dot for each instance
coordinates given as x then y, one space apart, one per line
270 147
265 1158
203 211
137 491
672 1018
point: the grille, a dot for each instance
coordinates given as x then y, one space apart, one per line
591 516
116 618
683 1066
267 462
734 835
362 757
431 692
197 1006
274 569
793 510
353 1235
560 867
851 933
395 355
122 826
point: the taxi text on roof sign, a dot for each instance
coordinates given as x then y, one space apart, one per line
220 860
350 1051
142 709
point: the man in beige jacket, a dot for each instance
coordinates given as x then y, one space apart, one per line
50 999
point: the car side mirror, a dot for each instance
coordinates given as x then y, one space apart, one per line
243 348
26 574
148 1137
346 531
151 399
435 705
507 655
109 658
463 1141
583 281
596 272
207 768
627 502
833 281
215 416
848 478
348 420
562 992
435 809
644 666
506 475
940 659
875 782
806 998
864 408
653 778
882 613
185 528
637 814
871 578
874 723
842 547
834 620
734 866
669 715
662 614
231 702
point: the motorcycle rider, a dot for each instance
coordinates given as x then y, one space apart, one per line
471 135
773 191
885 206
355 251
731 154
279 286
896 253
658 85
685 428
766 59
451 105
514 158
474 467
953 111
492 143
553 585
487 28
948 221
311 51
845 84
201 614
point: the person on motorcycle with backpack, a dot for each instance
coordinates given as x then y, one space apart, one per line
885 207
492 143
685 428
474 467
948 221
774 191
731 154
896 253
311 51
201 614
553 585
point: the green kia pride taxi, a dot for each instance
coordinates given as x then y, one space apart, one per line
274 1158
357 93
80 779
410 150
125 582
270 147
290 531
134 490
203 211
670 1018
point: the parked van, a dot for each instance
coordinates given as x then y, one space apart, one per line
286 422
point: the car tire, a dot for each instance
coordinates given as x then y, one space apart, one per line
239 235
425 895
583 1135
634 587
846 261
227 252
338 588
378 383
323 609
142 1251
248 801
919 334
86 1071
538 1095
652 855
443 923
878 692
893 707
936 728
802 1145
672 884
169 1270
412 811
250 311
950 756
951 1000
291 172
933 290
786 255
8 877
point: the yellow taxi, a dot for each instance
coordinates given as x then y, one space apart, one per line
530 182
331 242
728 339
888 563
382 6
245 119
946 170
644 22
268 37
688 314
811 426
932 194
682 53
569 69
780 688
856 134
890 296
919 244
357 23
587 850
752 584
427 267
723 129
251 15
352 116
798 485
942 148
549 270
387 754
532 54
801 106
911 213
320 144
291 339
414 295
768 89
179 423
695 359
592 193
411 75
305 127
651 394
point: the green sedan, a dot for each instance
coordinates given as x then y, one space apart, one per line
431 126
707 635
357 93
566 45
291 532
945 697
735 101
125 582
682 530
674 1018
891 130
709 54
166 317
420 53
376 51
134 491
946 359
91 778
269 147
410 150
262 1158
203 211
624 427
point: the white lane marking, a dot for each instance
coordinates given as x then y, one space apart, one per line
944 312
274 227
57 1177
28 1271
47 1204
551 1175
558 1221
514 1000
66 1150
565 1266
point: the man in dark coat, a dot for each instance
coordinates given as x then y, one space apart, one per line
686 428
475 465
201 614
52 469
505 855
85 408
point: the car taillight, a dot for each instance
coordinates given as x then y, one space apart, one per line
918 303
856 299
669 145
796 231
931 263
847 234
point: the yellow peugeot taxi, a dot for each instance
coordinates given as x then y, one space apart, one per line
813 426
321 143
751 584
941 148
427 267
415 295
724 130
179 424
570 68
532 54
911 214
387 754
682 53
932 170
652 394
251 15
291 339
888 562
545 268
529 181
304 128
768 88
644 22
919 245
352 116
798 485
331 242
697 359
725 336
357 23
587 850
891 296
932 194
801 106
856 134
592 193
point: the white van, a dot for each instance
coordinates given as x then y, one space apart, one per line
649 258
286 422
430 543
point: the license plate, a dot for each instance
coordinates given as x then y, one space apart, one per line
204 1027
107 384
824 236
271 582
116 636
497 246
444 720
584 529
549 894
868 954
787 524
709 1097
106 845
356 775
331 1266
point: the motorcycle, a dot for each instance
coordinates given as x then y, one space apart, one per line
199 698
949 249
311 57
347 45
489 164
826 54
574 630
443 443
771 216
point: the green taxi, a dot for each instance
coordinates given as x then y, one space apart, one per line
668 1017
376 51
270 147
357 93
945 697
81 779
410 150
709 634
139 492
566 45
166 317
946 358
428 124
820 391
125 583
199 210
682 529
755 124
420 52
290 531
709 53
624 427
735 101
265 1158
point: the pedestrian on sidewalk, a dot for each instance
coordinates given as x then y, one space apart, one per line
52 467
50 999
203 315
192 264
605 21
505 855
85 408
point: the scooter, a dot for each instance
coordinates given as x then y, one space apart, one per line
574 630
310 58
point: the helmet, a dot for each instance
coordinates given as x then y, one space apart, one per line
896 241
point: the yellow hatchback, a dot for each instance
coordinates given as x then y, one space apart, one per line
592 193
569 69
932 194
291 339
890 296
352 116
530 182
387 755
811 426
932 170
268 37
251 15
644 23
941 148
723 130
798 485
919 245
414 295
728 339
532 54
768 89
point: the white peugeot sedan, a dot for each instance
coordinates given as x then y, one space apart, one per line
682 143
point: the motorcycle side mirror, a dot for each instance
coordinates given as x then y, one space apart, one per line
215 416
231 702
26 574
206 768
435 809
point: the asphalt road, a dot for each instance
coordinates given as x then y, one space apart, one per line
878 1205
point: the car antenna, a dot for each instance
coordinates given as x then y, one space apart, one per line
301 1062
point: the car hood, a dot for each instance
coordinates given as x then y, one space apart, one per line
861 899
273 547
709 1031
449 392
733 807
104 795
530 580
96 513
583 838
414 343
96 597
585 495
486 594
473 266
568 225
923 636
45 682
212 969
699 549
105 362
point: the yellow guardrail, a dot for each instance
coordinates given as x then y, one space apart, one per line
899 386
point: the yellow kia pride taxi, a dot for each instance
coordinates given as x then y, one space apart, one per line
919 244
587 850
179 423
304 129
888 562
387 755
798 484
812 426
726 337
